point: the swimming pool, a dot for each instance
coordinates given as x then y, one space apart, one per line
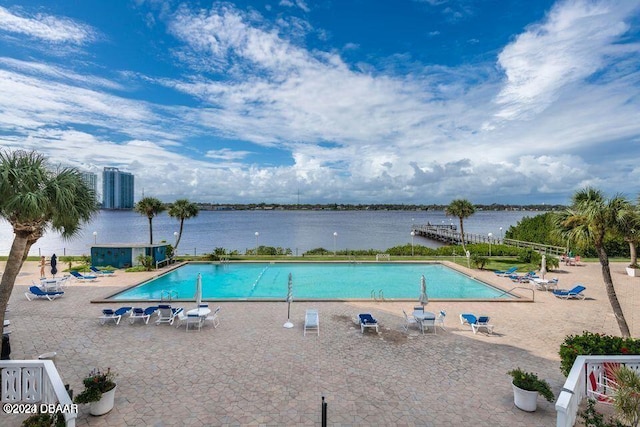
312 281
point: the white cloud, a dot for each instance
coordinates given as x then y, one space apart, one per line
576 39
46 27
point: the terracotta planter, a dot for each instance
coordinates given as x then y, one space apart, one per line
633 272
525 399
105 404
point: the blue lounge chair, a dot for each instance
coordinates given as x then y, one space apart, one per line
575 293
508 272
367 321
144 314
102 272
476 322
109 314
36 292
84 277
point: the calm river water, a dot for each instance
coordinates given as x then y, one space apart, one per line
235 230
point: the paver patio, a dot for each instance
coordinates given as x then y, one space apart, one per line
252 371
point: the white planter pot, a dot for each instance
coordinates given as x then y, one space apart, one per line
525 399
105 404
633 272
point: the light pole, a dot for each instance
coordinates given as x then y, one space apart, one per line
257 234
413 233
95 237
490 236
175 236
500 235
335 237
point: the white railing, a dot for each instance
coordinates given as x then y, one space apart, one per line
575 387
36 382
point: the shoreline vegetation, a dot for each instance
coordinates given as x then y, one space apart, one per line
361 207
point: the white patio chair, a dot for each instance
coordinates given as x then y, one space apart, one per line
166 314
189 319
440 319
215 317
408 321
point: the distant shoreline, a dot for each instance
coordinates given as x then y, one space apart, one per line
360 207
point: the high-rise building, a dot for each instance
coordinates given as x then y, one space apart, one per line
117 189
91 179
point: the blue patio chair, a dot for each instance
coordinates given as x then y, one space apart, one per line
36 292
167 314
575 293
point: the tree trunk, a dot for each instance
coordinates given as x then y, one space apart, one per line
633 253
179 236
464 248
611 293
151 230
14 264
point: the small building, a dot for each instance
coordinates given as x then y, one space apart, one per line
125 255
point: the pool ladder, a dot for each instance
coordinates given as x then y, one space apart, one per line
379 298
168 295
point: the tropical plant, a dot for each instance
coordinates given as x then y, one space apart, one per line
34 198
462 209
590 218
626 398
629 229
530 382
146 261
480 261
96 383
149 207
592 418
182 209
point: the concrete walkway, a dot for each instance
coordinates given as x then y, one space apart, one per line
252 371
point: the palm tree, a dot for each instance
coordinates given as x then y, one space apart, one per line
461 208
182 209
149 207
587 222
34 198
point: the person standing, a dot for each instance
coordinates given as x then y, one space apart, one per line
43 263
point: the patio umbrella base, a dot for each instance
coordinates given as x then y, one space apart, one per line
288 325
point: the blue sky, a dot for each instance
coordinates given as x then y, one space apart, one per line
345 101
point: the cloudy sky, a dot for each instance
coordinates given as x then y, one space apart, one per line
346 101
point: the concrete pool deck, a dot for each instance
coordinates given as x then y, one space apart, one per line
252 371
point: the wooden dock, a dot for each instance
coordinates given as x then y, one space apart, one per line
449 234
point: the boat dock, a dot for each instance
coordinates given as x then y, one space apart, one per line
449 234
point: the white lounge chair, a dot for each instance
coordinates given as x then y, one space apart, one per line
476 323
311 321
367 321
144 314
167 314
36 292
116 316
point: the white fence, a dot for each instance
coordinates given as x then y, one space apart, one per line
576 386
35 382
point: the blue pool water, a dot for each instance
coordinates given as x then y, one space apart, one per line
332 281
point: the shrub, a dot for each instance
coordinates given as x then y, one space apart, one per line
95 384
597 344
530 381
479 261
146 261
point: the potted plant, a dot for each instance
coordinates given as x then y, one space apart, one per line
99 392
45 420
526 387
